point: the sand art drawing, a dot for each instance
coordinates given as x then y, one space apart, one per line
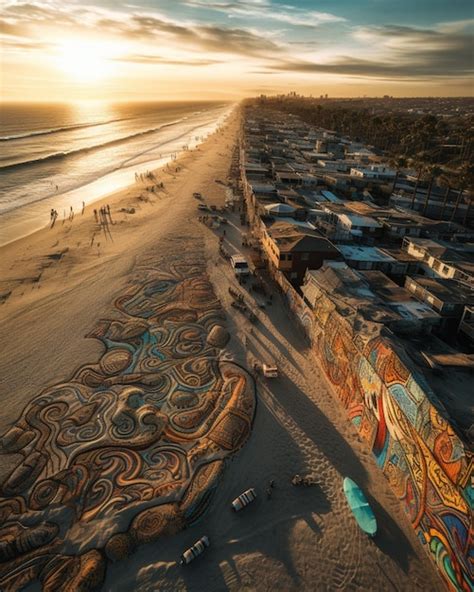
131 447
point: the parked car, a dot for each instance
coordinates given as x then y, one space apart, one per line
203 207
240 265
244 499
197 195
194 551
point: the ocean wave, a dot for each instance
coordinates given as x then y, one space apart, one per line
85 149
55 130
17 202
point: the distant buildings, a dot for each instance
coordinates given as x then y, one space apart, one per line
379 172
447 260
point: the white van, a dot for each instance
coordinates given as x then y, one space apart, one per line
240 265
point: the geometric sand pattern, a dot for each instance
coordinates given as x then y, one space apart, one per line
130 448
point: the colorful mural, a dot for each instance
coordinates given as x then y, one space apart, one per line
295 303
426 463
130 448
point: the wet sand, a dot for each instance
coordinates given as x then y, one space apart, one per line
57 284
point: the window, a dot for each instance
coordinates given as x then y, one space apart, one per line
293 275
304 256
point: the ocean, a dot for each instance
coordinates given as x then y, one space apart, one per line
58 156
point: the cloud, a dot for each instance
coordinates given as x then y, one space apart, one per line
383 52
213 38
26 20
408 53
39 13
153 59
264 9
12 29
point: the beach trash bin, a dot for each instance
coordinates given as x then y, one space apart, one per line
244 499
197 549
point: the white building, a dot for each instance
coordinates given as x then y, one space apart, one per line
375 171
357 224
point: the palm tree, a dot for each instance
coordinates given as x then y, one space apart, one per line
435 171
466 215
456 205
445 181
466 180
400 163
415 189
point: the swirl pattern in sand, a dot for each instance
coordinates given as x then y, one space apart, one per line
130 447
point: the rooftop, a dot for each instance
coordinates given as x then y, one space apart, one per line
360 253
445 290
298 238
280 208
358 220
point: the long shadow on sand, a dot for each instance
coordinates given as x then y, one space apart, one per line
307 415
265 528
390 539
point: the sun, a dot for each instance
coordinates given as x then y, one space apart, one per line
84 61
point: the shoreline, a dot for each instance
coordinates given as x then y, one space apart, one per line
20 222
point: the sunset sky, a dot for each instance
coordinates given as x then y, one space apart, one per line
218 49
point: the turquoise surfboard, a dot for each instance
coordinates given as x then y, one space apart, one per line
360 507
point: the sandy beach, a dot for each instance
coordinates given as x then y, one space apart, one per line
59 283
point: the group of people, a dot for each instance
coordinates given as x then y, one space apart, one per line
103 216
148 175
53 216
143 176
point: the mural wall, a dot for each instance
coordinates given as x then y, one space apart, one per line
426 463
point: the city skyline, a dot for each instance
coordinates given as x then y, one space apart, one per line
218 49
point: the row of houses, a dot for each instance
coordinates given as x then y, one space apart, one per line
302 223
385 298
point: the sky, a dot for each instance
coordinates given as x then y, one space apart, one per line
68 50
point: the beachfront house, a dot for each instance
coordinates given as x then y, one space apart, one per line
293 248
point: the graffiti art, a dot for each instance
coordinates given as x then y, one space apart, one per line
130 448
389 401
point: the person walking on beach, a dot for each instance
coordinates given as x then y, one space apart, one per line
83 207
95 216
